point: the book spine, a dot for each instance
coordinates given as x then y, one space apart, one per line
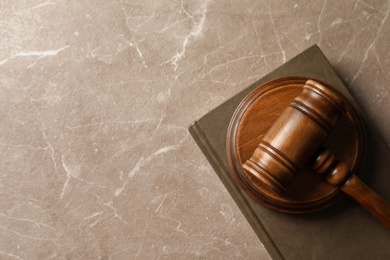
240 199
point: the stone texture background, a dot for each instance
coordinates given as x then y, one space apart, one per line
96 97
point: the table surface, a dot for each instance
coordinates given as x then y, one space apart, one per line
96 98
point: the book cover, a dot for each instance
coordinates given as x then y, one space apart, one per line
344 230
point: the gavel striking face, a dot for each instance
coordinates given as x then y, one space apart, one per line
295 140
295 137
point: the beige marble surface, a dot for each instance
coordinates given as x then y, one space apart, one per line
96 97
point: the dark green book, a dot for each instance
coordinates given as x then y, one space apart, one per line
344 230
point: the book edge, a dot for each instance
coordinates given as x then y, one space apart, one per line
240 200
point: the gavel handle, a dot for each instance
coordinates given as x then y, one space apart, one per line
337 173
366 197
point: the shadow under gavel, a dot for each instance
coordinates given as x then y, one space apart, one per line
295 140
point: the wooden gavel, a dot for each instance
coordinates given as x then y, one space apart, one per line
295 141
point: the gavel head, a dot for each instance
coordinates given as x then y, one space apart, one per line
294 138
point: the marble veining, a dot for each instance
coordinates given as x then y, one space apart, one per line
96 98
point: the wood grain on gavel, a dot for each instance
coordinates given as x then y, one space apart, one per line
296 138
